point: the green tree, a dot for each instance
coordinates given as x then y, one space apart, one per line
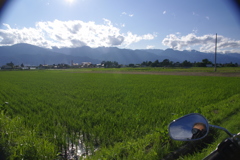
199 64
206 61
230 65
144 63
10 64
186 63
131 65
155 64
166 63
149 63
110 64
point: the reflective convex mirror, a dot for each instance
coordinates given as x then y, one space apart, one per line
190 127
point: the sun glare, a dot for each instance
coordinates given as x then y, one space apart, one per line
70 1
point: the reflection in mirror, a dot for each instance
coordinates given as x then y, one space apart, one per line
190 127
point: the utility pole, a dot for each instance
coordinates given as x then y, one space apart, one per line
215 57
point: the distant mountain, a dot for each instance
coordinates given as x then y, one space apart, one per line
196 56
33 55
122 56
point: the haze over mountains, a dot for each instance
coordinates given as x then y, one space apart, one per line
33 55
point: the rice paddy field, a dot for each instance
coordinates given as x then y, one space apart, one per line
108 114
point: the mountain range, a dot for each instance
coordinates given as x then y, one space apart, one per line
34 55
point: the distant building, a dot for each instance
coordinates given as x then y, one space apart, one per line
6 67
24 68
99 65
32 67
28 68
209 65
75 64
86 64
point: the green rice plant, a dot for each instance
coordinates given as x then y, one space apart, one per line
122 115
225 114
18 142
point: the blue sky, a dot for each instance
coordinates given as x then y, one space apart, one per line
133 24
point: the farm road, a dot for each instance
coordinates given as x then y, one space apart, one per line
218 74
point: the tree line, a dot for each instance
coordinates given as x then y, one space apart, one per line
168 63
185 63
114 64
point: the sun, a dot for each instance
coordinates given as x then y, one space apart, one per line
70 1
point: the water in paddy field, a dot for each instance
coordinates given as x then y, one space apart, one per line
74 152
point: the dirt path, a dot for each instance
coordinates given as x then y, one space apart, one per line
190 73
219 74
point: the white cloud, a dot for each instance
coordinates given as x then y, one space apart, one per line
71 34
122 25
195 30
133 38
164 12
131 15
25 35
206 43
125 14
195 14
207 17
113 40
150 47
